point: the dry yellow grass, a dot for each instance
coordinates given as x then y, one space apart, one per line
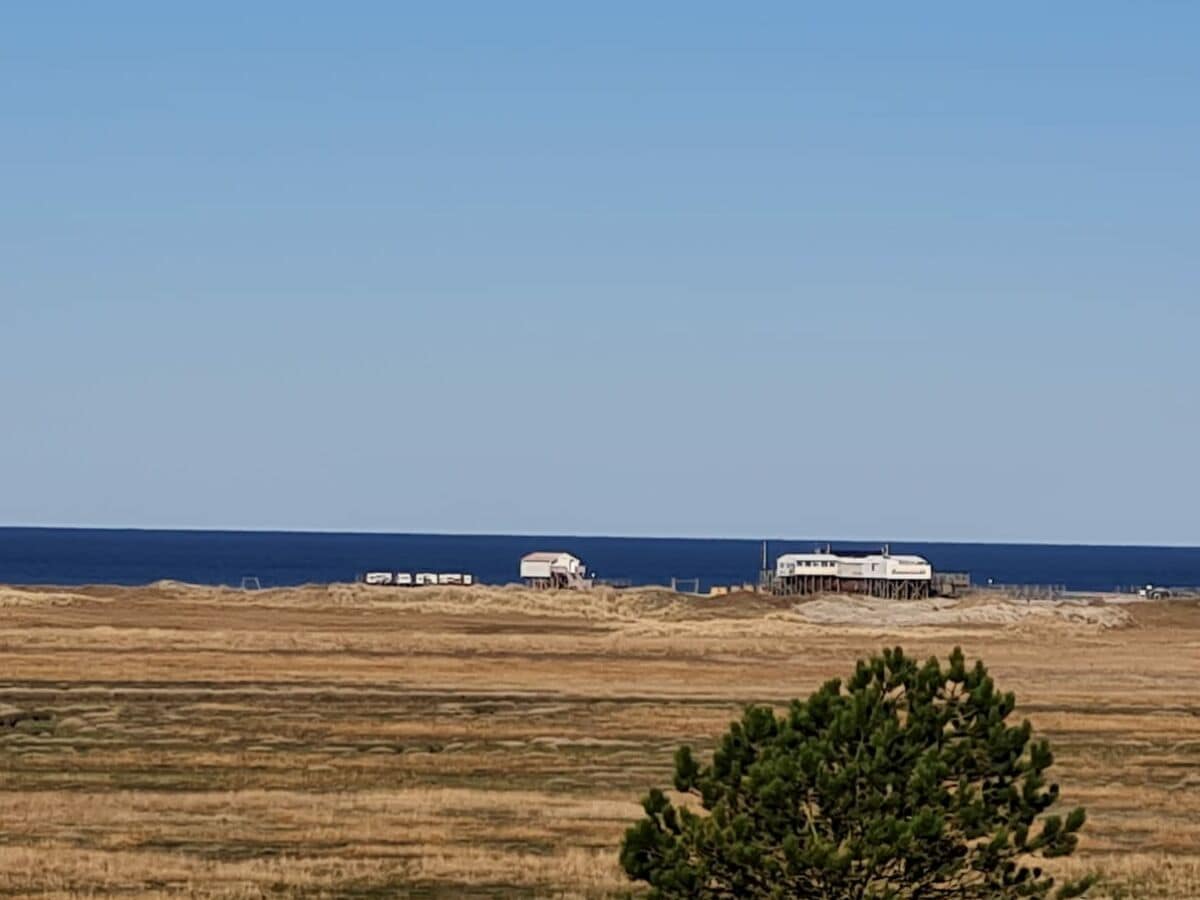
346 741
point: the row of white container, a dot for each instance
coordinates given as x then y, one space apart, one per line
420 579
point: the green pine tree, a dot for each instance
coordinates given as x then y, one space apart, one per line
906 782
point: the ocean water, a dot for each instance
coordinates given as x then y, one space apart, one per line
101 556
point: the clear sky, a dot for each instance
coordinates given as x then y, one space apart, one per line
897 271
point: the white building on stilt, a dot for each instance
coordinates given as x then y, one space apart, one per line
882 574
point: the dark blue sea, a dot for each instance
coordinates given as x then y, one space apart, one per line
101 556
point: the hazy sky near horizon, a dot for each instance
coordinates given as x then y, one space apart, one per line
847 270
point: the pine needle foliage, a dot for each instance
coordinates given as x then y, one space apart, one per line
904 782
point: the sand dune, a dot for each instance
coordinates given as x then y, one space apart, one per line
629 606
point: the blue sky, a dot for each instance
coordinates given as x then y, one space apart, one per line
851 271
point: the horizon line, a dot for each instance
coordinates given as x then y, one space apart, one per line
581 535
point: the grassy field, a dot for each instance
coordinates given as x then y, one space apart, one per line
355 742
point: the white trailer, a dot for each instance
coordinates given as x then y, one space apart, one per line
426 578
554 570
377 578
404 579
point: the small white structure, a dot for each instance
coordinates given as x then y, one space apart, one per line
426 578
554 570
403 579
377 578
